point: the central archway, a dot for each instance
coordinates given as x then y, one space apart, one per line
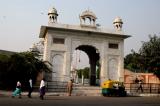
94 57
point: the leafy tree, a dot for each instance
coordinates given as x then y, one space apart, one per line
3 67
22 66
150 51
134 62
148 58
84 72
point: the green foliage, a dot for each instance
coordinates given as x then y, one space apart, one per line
134 62
151 53
148 58
97 69
20 66
3 67
84 72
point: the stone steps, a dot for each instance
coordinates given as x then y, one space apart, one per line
86 91
78 90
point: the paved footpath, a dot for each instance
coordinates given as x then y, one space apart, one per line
52 100
79 101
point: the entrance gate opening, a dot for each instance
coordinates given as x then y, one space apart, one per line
93 56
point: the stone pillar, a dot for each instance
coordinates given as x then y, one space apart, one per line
67 66
121 63
103 58
47 48
46 56
67 59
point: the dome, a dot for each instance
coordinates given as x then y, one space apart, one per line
33 48
88 13
52 11
117 20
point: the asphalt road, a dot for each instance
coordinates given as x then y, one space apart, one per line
80 101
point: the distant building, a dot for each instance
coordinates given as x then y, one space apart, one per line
129 77
38 48
7 52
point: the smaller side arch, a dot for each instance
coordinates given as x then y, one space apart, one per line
57 68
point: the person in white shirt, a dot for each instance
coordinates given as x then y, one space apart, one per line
30 88
42 89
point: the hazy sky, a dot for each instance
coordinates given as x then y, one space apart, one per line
20 20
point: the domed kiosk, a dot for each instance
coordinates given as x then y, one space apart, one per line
118 23
52 14
88 15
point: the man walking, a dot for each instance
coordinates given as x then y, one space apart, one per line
140 86
30 88
69 87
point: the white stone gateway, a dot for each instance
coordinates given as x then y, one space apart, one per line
103 45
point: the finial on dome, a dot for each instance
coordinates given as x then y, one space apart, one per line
118 23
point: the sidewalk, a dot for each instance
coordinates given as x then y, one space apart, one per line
9 94
144 94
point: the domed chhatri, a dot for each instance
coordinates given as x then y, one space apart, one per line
52 14
118 23
88 13
90 16
33 48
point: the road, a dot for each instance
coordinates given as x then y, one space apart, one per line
80 101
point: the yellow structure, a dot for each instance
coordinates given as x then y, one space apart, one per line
108 84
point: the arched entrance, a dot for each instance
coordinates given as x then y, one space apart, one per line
94 57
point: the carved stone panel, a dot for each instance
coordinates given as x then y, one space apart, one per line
57 68
113 69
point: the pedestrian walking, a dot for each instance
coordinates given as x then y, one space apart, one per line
42 89
30 89
140 86
18 90
69 87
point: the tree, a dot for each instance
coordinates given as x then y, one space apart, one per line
133 62
84 72
150 51
148 58
22 66
3 67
